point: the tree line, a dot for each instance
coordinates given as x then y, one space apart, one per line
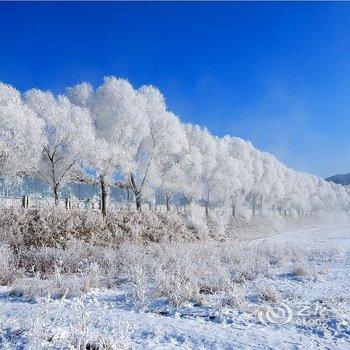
120 136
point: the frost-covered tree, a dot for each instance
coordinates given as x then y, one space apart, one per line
117 113
162 142
237 178
204 176
170 172
128 138
191 166
138 139
68 137
21 137
81 94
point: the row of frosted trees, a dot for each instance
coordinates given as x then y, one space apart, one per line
119 136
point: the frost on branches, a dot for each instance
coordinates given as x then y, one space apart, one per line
116 135
21 135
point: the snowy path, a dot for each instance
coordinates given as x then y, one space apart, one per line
110 313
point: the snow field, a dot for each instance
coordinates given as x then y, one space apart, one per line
203 294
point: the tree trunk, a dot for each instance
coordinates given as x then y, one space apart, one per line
254 206
103 197
261 206
254 203
168 199
206 208
233 209
188 200
55 193
207 203
138 201
137 192
168 205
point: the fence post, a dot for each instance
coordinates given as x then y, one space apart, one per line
25 201
67 202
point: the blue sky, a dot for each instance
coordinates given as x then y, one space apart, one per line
277 74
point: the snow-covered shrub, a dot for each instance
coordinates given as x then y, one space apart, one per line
151 254
69 323
176 278
73 258
233 299
196 218
249 269
78 257
323 254
160 271
213 276
8 269
276 253
268 292
109 263
147 226
56 226
57 285
187 272
47 227
243 261
11 225
136 269
33 287
301 269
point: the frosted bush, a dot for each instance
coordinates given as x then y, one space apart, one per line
177 279
56 226
196 219
8 269
162 271
58 285
65 324
136 269
72 259
276 254
268 293
109 263
233 299
11 226
214 278
34 287
181 272
184 273
322 254
150 254
301 270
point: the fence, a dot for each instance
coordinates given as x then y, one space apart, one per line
68 203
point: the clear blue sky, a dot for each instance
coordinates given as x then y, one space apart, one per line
277 74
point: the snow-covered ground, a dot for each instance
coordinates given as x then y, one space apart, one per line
314 312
